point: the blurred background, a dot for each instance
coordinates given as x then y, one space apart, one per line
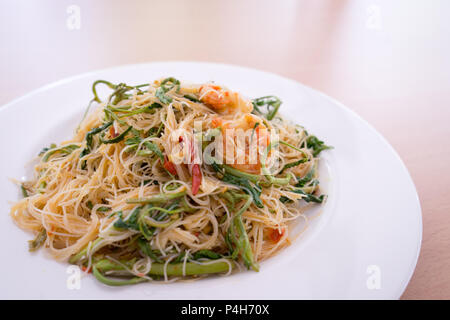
386 60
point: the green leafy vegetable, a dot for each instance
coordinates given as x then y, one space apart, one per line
306 179
155 131
159 198
206 254
94 88
133 141
130 223
24 191
160 94
147 233
167 85
242 181
81 255
312 142
272 104
147 109
269 176
310 197
179 258
65 150
120 93
254 190
284 199
90 135
117 139
145 248
44 150
35 244
42 186
191 98
154 147
293 164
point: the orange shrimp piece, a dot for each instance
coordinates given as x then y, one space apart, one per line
224 101
216 122
256 139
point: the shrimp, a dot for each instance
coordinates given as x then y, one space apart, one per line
224 101
247 133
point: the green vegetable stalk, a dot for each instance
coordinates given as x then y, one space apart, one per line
35 244
82 254
157 269
238 237
272 104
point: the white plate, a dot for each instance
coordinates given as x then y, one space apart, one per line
364 245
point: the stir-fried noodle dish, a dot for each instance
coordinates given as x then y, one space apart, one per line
167 180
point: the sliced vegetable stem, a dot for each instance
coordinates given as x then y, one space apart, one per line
35 244
242 243
115 282
82 254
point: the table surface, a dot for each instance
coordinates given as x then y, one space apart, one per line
386 60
